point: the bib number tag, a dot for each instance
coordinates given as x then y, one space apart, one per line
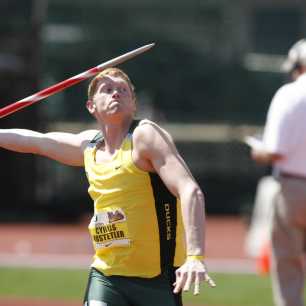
109 229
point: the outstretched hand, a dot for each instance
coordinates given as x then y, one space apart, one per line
192 272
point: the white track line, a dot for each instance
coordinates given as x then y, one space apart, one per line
81 261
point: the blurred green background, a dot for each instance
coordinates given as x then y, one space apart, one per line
208 80
52 285
232 289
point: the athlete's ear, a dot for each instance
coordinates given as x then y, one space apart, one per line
91 106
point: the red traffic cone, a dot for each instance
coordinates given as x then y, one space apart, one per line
263 260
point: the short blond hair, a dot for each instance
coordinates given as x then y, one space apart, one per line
116 72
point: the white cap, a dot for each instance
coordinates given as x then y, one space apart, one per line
296 55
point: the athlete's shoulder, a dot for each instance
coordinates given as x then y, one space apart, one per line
149 136
147 128
87 136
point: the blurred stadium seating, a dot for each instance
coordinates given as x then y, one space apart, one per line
209 80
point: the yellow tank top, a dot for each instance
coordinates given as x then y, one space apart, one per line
137 227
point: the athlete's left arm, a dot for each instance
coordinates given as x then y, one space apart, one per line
156 147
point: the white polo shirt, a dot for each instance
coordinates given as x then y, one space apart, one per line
285 129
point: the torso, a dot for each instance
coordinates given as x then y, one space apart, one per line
135 214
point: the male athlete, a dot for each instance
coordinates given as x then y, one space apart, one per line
148 222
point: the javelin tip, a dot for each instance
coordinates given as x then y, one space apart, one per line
148 46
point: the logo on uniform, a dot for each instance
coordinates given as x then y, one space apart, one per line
168 221
115 216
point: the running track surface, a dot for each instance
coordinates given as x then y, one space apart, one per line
52 246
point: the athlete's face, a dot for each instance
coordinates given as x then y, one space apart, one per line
113 99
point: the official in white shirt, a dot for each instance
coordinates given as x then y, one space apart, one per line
284 146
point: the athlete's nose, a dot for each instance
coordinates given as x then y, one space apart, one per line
115 94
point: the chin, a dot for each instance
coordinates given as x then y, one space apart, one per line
115 118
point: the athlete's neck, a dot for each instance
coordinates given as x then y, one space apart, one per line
114 133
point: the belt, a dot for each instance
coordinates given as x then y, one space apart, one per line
292 175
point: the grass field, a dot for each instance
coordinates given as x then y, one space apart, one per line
231 290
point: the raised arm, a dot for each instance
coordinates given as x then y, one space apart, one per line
156 146
66 148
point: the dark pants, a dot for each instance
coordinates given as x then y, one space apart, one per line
130 291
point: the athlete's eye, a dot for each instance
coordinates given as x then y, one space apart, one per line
109 89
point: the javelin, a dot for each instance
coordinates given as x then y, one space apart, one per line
14 107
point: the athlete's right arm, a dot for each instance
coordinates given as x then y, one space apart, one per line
66 148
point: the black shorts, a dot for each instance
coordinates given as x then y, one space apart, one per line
131 291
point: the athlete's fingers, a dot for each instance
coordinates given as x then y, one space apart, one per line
177 276
210 282
180 281
196 290
189 280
